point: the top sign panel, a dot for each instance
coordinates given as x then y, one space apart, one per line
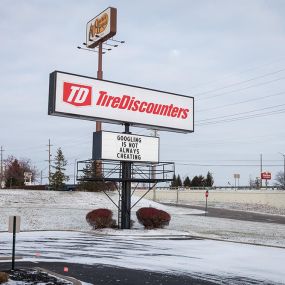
99 100
101 28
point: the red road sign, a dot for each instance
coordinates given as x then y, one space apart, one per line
207 194
266 175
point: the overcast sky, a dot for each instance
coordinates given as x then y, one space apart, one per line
229 55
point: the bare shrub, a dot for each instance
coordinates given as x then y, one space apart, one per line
152 218
101 218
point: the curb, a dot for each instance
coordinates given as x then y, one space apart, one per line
10 258
67 278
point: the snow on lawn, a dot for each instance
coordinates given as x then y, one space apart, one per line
222 262
49 210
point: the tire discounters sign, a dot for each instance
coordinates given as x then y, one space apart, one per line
81 97
126 147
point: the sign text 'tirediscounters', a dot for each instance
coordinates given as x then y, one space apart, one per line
91 99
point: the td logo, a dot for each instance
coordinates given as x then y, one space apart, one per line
76 94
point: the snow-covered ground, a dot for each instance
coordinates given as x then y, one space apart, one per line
56 221
48 210
221 262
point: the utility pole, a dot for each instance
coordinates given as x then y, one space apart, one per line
49 161
260 170
1 175
74 171
283 169
284 172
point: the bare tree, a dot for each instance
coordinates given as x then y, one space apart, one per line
15 169
279 178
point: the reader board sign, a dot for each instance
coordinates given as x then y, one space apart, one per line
101 28
125 147
88 98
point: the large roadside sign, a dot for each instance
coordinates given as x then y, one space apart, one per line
125 147
88 98
101 28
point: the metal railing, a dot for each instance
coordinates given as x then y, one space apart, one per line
107 170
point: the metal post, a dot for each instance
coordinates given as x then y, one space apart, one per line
206 208
99 76
14 242
126 190
177 195
153 171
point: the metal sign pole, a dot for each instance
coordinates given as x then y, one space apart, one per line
14 243
98 123
99 76
126 190
206 207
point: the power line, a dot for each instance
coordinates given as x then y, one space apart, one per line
229 165
239 72
241 89
253 160
241 113
239 83
242 102
282 111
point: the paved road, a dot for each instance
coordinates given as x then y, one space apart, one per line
108 260
236 215
102 274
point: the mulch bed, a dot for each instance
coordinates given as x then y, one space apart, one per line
34 277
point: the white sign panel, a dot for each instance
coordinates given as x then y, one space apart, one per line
125 147
11 224
102 27
92 99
